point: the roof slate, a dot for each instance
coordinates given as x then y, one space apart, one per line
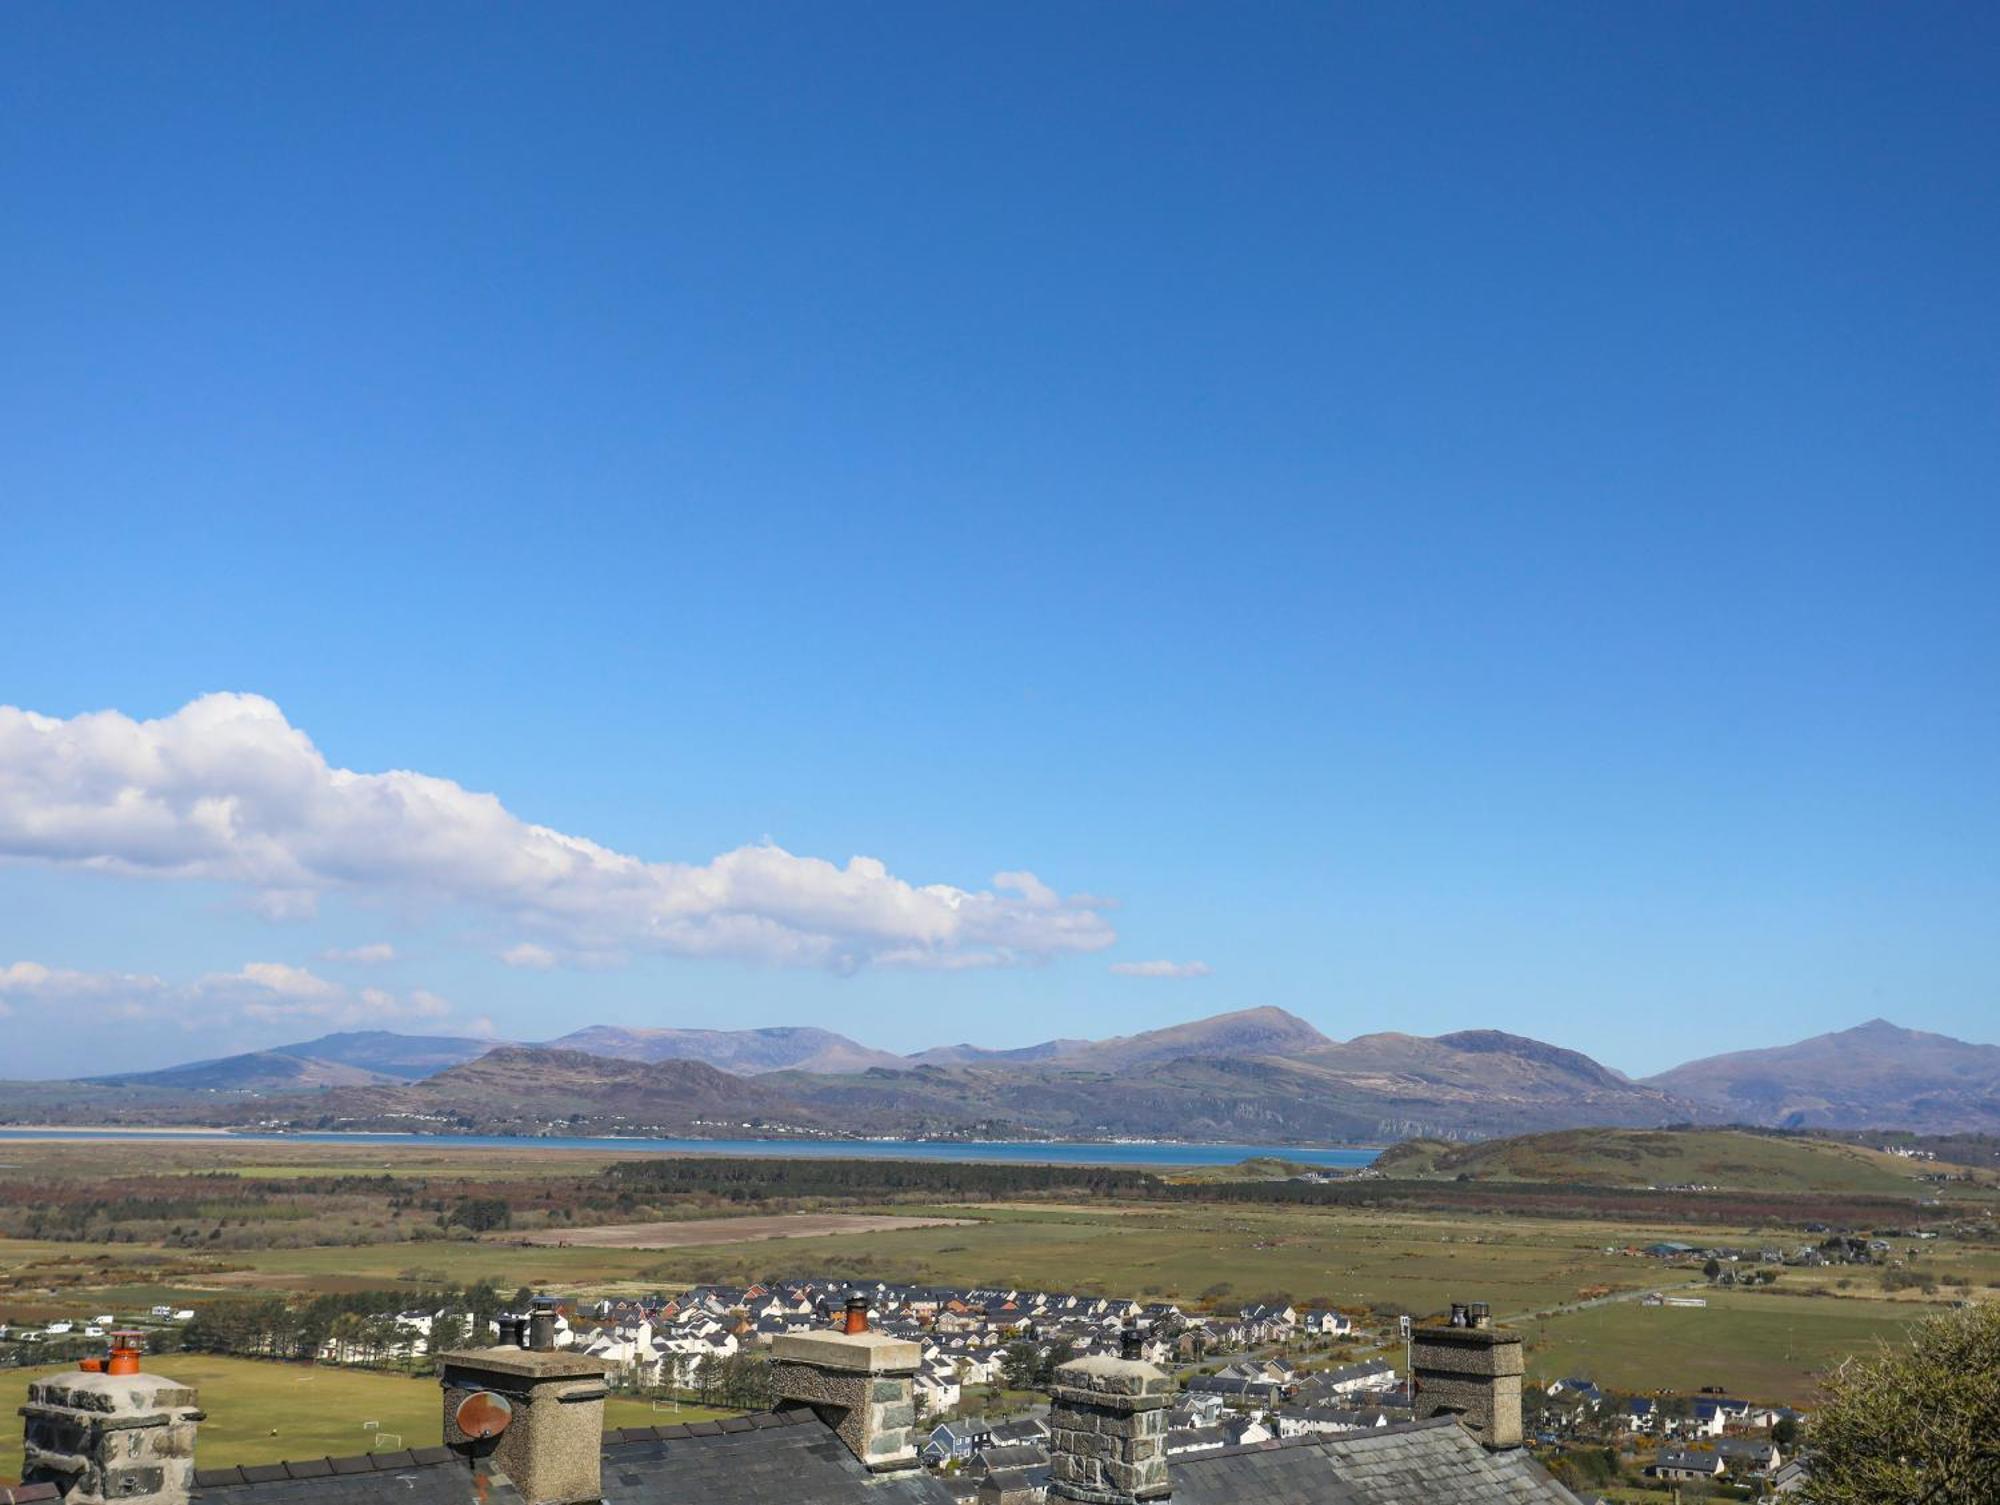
781 1457
788 1457
1435 1461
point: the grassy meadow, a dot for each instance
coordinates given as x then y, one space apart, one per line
1723 1158
260 1412
1767 1347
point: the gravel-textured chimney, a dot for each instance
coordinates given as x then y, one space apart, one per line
860 1383
1470 1369
534 1414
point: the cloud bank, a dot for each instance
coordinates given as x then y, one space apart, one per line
1162 969
257 993
227 790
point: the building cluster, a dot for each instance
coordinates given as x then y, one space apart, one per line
963 1333
522 1423
1832 1249
1700 1437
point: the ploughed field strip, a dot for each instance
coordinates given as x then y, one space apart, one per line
677 1235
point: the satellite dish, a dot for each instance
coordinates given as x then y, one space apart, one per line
483 1414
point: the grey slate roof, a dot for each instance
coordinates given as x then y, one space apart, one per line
789 1458
783 1456
421 1476
1437 1462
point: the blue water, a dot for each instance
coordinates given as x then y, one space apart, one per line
1061 1153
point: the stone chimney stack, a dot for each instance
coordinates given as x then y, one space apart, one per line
110 1431
860 1383
1108 1428
534 1412
1470 1369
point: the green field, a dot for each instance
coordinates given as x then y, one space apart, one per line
1325 1256
1761 1347
1314 1256
263 1413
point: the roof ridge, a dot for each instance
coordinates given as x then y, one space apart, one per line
322 1466
431 1457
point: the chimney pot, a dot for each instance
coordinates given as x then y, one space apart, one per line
856 1318
541 1323
1132 1343
109 1432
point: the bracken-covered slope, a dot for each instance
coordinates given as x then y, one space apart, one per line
1731 1159
1876 1075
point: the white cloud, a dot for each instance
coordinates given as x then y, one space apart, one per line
227 790
529 955
258 992
371 955
1162 969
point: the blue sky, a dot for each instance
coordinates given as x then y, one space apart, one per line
1443 516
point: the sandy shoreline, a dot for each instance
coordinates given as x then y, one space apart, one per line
20 1132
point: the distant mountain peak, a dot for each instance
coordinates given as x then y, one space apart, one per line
746 1052
1873 1075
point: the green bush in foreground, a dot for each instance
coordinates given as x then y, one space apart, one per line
1916 1425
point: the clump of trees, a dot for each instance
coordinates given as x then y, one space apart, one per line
272 1327
480 1214
1032 1366
740 1380
1913 1425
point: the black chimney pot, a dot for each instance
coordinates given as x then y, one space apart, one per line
541 1324
1132 1342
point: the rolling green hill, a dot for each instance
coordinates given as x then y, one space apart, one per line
1729 1158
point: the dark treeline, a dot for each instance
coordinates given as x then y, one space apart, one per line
757 1180
272 1327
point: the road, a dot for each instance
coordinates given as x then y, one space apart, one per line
1584 1306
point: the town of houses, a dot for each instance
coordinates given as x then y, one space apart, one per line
1249 1377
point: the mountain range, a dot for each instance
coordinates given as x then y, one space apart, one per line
1258 1075
1874 1076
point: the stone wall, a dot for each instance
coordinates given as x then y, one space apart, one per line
102 1437
1108 1429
